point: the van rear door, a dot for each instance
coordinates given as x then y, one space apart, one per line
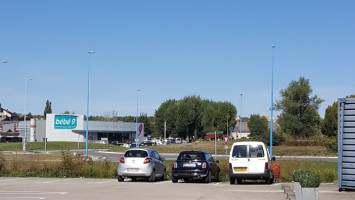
239 159
257 158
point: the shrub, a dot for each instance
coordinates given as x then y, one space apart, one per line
306 178
298 175
332 144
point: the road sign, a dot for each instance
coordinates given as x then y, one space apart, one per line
226 138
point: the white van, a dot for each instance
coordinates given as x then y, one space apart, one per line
250 160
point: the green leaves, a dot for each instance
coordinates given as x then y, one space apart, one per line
299 116
192 116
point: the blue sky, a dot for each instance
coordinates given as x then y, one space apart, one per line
171 49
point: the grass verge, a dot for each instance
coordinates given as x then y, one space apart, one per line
67 165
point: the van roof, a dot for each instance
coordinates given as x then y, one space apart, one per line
248 142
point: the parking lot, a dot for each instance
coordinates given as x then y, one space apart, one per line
81 188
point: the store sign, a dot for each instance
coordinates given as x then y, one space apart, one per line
65 121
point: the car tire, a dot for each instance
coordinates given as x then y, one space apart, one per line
173 179
163 178
239 181
269 181
208 177
231 180
219 178
151 178
134 179
120 178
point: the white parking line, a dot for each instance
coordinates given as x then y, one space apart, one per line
31 192
257 191
22 197
161 182
103 182
54 181
12 179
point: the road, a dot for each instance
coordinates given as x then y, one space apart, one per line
87 189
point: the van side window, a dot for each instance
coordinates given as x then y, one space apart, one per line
239 151
256 151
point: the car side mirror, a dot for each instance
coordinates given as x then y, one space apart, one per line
162 159
273 158
217 161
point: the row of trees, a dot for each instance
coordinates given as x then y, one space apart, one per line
193 116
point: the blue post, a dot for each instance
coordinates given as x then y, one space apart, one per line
87 106
137 121
241 113
272 98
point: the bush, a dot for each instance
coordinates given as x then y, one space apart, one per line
332 144
306 178
297 174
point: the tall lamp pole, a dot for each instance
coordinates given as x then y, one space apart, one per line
24 142
137 121
241 113
87 106
272 98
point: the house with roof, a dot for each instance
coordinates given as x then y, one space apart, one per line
6 115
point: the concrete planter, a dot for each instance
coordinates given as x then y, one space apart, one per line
310 193
305 193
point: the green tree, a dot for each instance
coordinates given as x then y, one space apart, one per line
258 125
330 121
143 118
47 109
299 115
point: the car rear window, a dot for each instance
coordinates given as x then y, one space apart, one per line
136 153
256 151
191 156
239 151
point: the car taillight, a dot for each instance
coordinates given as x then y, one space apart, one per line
147 160
122 160
266 165
175 164
230 165
204 165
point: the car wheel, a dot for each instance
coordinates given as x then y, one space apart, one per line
173 179
120 179
231 180
219 178
208 177
239 181
151 178
134 179
163 178
269 181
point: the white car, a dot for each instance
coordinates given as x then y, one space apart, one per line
141 163
178 140
250 160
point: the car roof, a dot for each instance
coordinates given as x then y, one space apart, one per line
144 149
193 152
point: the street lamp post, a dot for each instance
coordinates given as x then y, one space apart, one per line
241 113
87 106
137 121
272 98
24 116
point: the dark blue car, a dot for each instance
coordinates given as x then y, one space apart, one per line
195 165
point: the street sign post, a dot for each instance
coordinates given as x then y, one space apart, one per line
226 138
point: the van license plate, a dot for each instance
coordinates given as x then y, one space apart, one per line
241 169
